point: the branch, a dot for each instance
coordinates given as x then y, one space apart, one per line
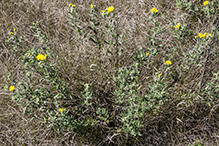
208 54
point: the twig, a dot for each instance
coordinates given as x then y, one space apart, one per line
145 69
208 54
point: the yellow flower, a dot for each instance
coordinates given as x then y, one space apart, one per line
103 11
207 35
160 74
11 88
11 33
147 54
200 35
44 119
14 29
28 54
41 57
205 3
110 9
91 6
73 5
168 62
61 110
154 10
178 25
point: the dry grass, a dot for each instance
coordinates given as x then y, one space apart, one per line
179 121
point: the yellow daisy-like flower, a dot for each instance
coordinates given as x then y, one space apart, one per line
154 10
178 25
61 110
11 33
168 62
200 35
41 57
14 29
11 88
91 6
160 74
44 119
103 11
207 35
73 5
147 54
110 9
205 3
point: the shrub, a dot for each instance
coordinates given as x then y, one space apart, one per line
45 90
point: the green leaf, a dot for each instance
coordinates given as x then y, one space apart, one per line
107 42
55 87
133 132
94 30
79 31
107 26
150 37
96 24
139 133
90 27
162 31
154 52
102 34
93 40
31 119
109 51
85 34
